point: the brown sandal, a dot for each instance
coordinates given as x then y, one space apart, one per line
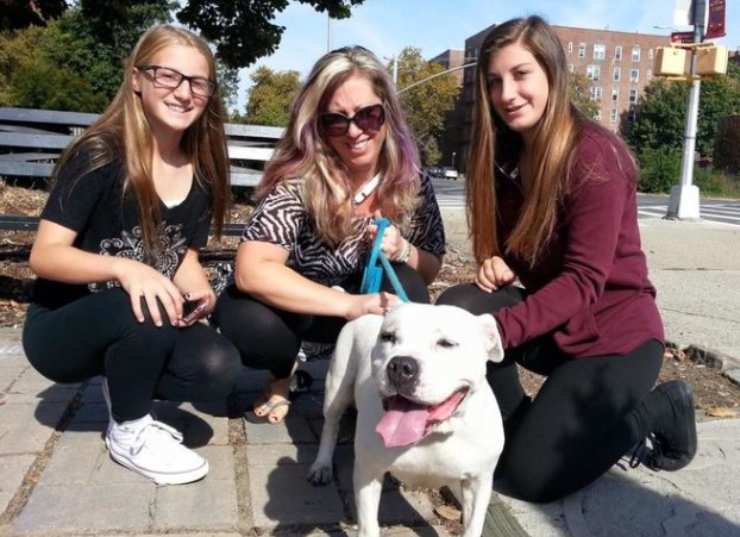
267 405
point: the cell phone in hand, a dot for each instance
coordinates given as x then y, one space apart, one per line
193 309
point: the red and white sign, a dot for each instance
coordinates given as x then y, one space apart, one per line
682 37
715 19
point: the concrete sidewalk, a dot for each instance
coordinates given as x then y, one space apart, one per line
57 479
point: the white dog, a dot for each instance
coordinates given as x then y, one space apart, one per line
425 411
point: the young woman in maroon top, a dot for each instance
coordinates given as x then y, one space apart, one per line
552 210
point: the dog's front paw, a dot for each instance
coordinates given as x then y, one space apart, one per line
320 473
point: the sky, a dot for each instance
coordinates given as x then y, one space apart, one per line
387 26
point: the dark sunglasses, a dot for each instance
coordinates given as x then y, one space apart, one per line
166 77
369 119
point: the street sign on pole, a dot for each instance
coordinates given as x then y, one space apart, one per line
682 37
716 19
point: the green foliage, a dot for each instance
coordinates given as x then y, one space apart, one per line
19 14
727 145
580 95
243 30
662 113
270 96
660 168
427 104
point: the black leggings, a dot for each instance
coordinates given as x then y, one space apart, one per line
588 413
99 335
269 338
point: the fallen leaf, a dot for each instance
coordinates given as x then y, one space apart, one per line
721 412
448 512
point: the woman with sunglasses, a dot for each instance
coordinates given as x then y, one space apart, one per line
116 254
347 155
552 205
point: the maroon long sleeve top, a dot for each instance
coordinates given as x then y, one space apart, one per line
590 287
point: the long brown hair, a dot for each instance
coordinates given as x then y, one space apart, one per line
122 132
550 155
303 153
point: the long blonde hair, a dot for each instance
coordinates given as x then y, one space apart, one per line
550 156
302 152
122 132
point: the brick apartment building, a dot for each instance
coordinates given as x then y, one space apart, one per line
618 65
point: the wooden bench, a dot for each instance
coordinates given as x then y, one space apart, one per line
31 140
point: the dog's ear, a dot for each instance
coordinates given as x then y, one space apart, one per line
492 338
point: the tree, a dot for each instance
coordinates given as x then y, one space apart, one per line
242 29
662 112
20 14
270 96
427 104
579 91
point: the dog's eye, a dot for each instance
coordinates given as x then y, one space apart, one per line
446 343
388 337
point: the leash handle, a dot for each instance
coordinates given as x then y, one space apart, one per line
372 276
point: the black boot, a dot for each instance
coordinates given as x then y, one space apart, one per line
673 424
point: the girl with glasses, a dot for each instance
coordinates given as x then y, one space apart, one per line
553 213
347 155
120 288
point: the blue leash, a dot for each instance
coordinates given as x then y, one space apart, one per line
372 276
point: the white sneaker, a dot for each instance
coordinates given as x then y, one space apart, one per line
155 450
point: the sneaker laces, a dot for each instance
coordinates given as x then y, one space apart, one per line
642 454
151 429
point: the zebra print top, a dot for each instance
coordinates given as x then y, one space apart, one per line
282 219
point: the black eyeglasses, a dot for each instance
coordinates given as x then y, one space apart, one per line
165 77
369 119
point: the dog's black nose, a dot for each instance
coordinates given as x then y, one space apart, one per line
403 372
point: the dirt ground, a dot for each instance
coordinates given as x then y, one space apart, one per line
716 395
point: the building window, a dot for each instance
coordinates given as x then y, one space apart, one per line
618 53
596 93
636 53
617 74
634 75
649 75
613 115
571 68
650 54
597 116
599 51
593 72
581 50
633 95
615 95
570 47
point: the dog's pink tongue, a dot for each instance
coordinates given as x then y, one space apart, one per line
403 423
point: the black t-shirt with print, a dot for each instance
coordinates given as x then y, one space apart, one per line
107 223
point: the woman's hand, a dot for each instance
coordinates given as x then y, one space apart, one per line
142 281
493 274
378 303
393 243
205 300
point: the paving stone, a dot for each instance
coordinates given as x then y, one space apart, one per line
33 384
294 429
8 375
282 496
210 503
277 454
72 508
401 506
344 460
89 412
53 393
201 423
12 470
170 534
26 427
75 459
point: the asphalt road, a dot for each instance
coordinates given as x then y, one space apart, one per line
451 194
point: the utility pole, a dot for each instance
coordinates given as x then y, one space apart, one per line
328 32
395 70
685 196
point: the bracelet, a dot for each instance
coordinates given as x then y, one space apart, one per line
403 255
